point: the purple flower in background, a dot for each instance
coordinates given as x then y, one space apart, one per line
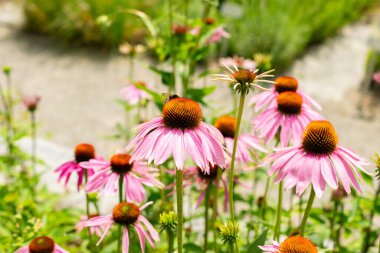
376 77
31 102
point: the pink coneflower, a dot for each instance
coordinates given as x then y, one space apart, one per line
196 176
83 153
247 145
179 132
108 173
127 215
209 21
133 95
239 62
245 80
289 115
293 244
283 83
79 226
31 102
317 160
180 30
376 77
217 35
42 244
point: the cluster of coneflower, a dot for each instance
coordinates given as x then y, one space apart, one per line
306 154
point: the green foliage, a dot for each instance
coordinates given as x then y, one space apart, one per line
87 22
285 28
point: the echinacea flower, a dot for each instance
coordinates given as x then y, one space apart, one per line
127 215
79 226
179 132
283 84
217 35
195 175
180 30
293 244
376 77
209 20
83 153
244 80
133 95
135 175
289 115
239 62
317 160
31 102
247 145
42 244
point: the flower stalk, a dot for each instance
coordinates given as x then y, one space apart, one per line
207 205
179 191
277 228
231 175
307 212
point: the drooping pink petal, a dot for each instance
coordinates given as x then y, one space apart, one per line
125 240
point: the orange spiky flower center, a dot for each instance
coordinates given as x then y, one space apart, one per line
226 125
120 163
319 138
289 102
180 29
181 113
297 244
125 213
42 244
213 173
84 152
244 76
209 21
286 83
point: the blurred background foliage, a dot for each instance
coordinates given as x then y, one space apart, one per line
281 28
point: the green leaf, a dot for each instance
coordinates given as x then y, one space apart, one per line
166 76
198 94
254 247
192 247
158 99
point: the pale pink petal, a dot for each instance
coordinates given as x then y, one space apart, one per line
125 240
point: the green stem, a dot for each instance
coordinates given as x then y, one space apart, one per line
179 190
307 212
262 211
366 240
231 247
231 176
333 218
215 209
34 139
290 211
172 51
277 228
120 227
339 231
88 210
207 205
170 242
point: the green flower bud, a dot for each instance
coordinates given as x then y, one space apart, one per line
229 232
168 221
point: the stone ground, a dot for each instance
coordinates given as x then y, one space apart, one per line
79 87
